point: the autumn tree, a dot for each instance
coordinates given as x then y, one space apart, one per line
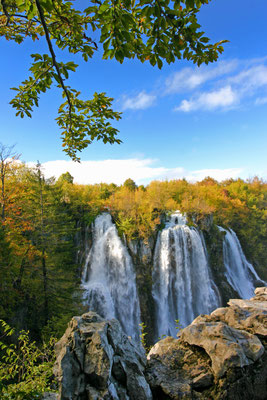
7 157
153 31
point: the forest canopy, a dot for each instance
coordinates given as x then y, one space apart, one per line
155 31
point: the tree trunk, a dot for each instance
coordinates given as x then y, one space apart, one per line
46 310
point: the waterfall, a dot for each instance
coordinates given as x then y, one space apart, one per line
240 274
109 278
182 284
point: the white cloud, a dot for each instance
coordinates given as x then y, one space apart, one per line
142 171
260 101
218 174
108 171
225 85
222 98
220 87
140 102
251 78
191 78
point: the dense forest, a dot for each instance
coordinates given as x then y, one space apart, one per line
43 221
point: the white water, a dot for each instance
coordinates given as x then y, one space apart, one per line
240 274
182 284
109 278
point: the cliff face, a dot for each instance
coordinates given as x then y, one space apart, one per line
219 356
142 256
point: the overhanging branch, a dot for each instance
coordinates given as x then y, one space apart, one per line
42 18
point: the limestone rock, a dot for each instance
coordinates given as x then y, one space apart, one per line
249 315
261 294
227 347
221 356
96 360
174 370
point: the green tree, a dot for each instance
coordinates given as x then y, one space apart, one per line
53 237
66 177
130 184
153 31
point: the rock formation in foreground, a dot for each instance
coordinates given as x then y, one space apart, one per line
219 356
96 360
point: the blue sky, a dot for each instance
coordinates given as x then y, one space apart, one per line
181 121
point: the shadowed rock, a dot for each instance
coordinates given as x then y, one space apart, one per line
96 360
226 346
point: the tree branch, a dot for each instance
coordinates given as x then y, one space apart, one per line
5 11
37 79
42 18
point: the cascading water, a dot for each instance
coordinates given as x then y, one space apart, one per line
182 284
239 272
109 278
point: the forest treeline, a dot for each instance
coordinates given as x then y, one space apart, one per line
41 220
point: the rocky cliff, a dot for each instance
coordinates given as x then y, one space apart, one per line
219 356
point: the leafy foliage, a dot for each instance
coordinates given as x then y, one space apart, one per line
143 341
153 31
25 369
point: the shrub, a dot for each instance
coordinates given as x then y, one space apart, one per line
25 368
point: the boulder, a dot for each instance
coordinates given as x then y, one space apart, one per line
96 360
226 346
174 369
249 315
219 356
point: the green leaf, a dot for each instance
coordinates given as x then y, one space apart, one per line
160 63
47 5
104 7
71 66
190 3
